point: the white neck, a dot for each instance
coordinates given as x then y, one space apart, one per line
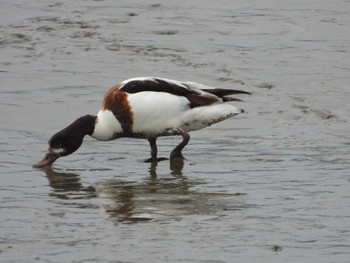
107 127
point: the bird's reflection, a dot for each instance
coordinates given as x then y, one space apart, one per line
154 197
66 183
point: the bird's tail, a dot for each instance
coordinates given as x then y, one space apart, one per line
223 93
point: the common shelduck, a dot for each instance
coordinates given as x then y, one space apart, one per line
147 108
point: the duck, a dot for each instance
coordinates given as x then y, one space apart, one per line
147 108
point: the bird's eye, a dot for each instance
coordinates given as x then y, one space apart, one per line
59 144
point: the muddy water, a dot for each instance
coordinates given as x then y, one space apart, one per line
269 186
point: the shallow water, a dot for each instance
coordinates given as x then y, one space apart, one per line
268 186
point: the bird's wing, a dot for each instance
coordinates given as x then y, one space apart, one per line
191 90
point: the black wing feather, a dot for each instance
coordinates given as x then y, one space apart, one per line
156 85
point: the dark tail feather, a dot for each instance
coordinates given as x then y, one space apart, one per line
224 92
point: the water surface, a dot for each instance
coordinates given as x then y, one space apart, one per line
268 186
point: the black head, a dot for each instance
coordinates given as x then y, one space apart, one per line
68 140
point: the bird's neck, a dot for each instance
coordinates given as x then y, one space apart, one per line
107 127
85 124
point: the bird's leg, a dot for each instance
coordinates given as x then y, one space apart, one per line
176 153
154 152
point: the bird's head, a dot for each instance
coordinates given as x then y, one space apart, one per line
68 140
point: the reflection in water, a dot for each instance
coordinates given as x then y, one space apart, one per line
67 184
153 198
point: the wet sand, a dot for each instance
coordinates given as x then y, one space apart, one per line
268 186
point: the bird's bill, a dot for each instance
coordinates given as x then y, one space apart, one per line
48 159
